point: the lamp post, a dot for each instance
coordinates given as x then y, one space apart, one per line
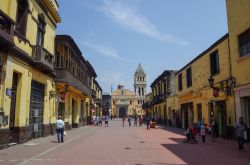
226 86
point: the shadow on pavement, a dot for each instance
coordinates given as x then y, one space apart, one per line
207 154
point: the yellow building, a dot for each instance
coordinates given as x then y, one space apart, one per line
239 39
204 88
74 82
147 106
162 88
125 103
97 99
27 34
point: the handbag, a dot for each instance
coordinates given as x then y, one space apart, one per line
245 135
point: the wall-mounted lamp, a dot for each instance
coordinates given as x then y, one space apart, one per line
226 86
66 87
52 94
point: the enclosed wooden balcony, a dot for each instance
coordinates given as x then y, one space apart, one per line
6 30
43 59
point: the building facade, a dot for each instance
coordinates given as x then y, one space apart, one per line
106 104
96 106
74 82
204 88
162 87
239 40
27 34
126 102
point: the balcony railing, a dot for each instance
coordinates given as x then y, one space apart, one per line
93 93
43 57
6 29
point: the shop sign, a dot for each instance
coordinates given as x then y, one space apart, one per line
8 92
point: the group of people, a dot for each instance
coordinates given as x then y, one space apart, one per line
97 120
136 119
240 132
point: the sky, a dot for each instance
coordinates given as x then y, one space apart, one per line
117 35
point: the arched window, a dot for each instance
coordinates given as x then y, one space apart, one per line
22 15
142 91
139 91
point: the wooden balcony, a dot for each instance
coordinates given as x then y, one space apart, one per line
64 75
43 59
93 93
6 30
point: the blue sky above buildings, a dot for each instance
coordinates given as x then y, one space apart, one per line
117 35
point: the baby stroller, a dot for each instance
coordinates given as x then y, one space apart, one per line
190 134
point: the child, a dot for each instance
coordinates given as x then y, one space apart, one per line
203 134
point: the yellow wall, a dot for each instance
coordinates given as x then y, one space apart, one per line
238 21
200 92
10 7
26 75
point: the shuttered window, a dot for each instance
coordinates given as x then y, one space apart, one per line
214 63
244 43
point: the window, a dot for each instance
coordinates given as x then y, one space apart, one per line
22 14
142 91
214 62
41 32
180 81
244 43
189 77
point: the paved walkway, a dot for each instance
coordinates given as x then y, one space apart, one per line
118 145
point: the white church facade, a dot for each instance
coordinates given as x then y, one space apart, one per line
126 102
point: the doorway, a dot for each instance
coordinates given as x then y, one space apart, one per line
61 110
122 112
13 107
221 117
36 109
73 112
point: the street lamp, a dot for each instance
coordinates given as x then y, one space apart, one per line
226 86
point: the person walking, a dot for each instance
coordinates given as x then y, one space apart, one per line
107 121
140 121
203 133
214 129
123 120
240 128
148 122
60 129
129 121
135 121
100 121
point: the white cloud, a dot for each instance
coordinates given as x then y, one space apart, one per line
111 78
128 17
102 50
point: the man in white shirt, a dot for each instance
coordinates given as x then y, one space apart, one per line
59 129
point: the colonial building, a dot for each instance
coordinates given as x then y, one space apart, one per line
74 82
96 106
239 40
126 102
204 88
27 32
162 87
106 104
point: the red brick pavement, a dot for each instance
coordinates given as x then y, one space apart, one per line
117 145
